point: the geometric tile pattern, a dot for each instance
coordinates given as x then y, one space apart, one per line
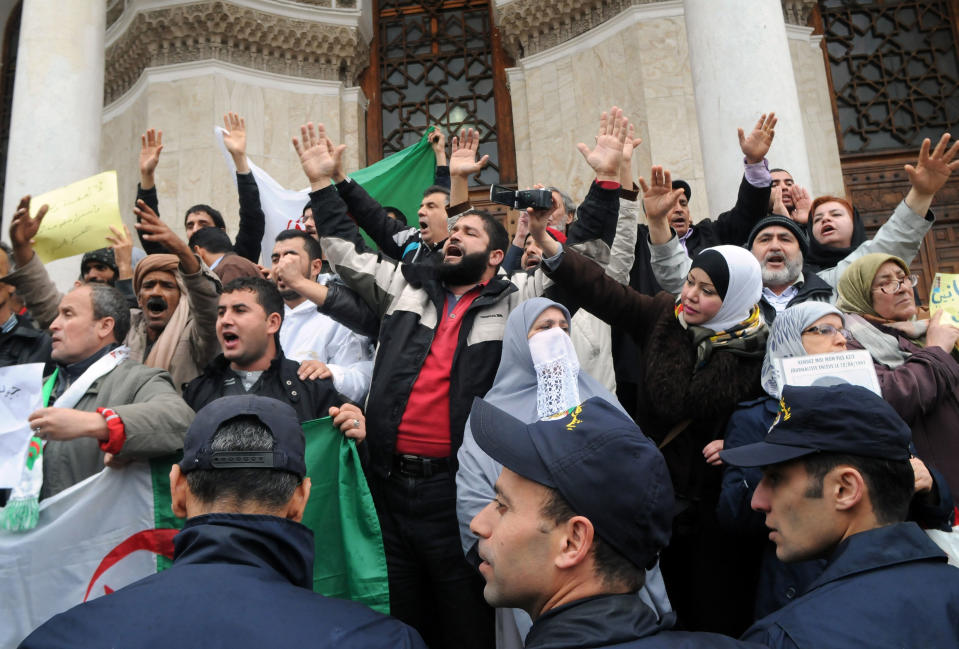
436 68
894 71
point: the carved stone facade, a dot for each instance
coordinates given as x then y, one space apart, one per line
234 34
532 26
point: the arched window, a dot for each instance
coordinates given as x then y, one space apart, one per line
439 62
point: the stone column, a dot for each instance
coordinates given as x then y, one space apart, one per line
741 67
57 98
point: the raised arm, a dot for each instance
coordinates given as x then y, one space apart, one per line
752 202
930 173
151 144
463 164
249 238
667 257
597 215
30 278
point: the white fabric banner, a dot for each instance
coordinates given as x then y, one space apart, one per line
281 207
93 538
20 390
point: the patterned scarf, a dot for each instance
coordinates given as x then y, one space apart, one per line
746 338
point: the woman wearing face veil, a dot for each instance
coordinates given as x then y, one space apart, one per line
701 354
538 377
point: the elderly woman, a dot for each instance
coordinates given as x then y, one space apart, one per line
913 355
539 377
807 328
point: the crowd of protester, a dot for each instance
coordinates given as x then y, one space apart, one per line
579 435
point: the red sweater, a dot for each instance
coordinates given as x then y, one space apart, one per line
425 426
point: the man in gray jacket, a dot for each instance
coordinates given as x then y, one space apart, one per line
100 406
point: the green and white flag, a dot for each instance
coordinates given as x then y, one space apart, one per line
99 535
398 180
117 527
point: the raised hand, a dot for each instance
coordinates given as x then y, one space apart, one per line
659 201
776 198
606 156
122 245
151 144
802 202
438 144
235 141
933 170
659 198
316 156
463 154
522 229
626 164
23 229
152 228
756 145
538 220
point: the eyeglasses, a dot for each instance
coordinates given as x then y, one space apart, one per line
827 330
890 286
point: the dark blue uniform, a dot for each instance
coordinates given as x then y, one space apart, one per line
883 588
237 581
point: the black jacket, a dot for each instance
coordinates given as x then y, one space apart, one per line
310 399
238 580
813 289
24 344
252 221
614 621
409 298
730 228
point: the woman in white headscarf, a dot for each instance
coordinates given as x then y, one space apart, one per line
803 329
538 377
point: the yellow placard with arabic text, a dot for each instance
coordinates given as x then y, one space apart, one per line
79 218
944 296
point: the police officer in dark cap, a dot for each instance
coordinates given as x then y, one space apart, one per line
242 572
837 483
583 507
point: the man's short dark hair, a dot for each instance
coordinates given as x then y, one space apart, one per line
212 240
437 189
396 212
311 245
308 206
267 295
108 302
890 482
498 236
780 169
214 214
615 570
271 488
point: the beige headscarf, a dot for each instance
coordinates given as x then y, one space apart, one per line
855 285
161 354
855 298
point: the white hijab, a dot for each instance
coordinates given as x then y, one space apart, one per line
744 290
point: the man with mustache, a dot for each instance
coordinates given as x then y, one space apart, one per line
103 405
173 329
779 244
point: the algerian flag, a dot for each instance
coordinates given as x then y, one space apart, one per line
398 181
99 535
349 559
117 527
